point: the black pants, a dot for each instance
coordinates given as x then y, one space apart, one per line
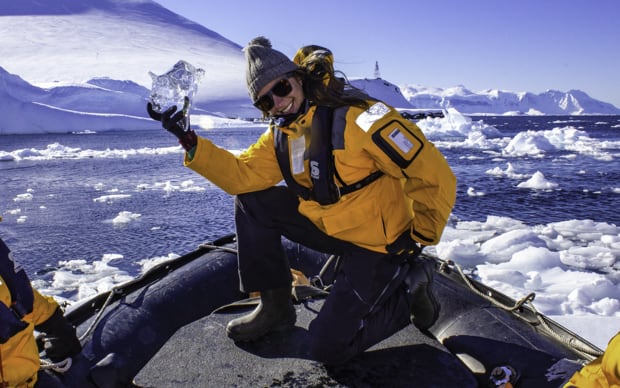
367 303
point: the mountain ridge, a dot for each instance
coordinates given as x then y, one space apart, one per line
501 102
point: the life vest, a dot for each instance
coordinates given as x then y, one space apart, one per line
22 296
324 189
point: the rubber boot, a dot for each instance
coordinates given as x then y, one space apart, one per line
274 312
424 306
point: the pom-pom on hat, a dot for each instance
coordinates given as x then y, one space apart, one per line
264 64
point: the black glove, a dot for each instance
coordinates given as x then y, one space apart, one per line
58 337
176 123
404 247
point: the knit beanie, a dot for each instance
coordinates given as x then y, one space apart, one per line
264 64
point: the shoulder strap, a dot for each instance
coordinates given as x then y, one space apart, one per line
322 167
361 183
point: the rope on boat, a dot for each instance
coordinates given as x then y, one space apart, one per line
211 246
59 367
317 280
527 300
65 365
92 326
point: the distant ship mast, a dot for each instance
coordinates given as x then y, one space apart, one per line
377 72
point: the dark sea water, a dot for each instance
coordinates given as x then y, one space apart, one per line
588 182
60 193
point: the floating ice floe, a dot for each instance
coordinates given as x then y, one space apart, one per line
125 217
538 182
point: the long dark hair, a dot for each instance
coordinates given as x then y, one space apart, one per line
321 84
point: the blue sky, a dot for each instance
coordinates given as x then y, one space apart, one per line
529 45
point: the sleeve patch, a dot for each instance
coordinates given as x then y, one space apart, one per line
371 115
399 143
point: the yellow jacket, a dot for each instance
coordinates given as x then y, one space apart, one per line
604 372
20 356
418 194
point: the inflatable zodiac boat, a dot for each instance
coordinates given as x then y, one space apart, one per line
166 329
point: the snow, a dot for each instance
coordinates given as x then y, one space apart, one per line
567 264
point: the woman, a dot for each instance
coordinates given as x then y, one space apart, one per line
361 182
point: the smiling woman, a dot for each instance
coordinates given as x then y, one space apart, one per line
358 185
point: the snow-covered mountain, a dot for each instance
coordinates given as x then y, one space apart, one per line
488 102
74 65
551 102
70 42
100 104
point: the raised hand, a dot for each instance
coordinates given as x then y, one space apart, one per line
177 123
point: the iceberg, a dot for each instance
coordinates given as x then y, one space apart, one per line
171 88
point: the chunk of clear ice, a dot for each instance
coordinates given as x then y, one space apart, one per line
172 87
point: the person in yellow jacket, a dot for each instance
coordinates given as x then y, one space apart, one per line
603 372
361 181
22 310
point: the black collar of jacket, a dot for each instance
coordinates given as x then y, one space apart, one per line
286 120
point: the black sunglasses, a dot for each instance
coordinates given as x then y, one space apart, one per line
282 88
